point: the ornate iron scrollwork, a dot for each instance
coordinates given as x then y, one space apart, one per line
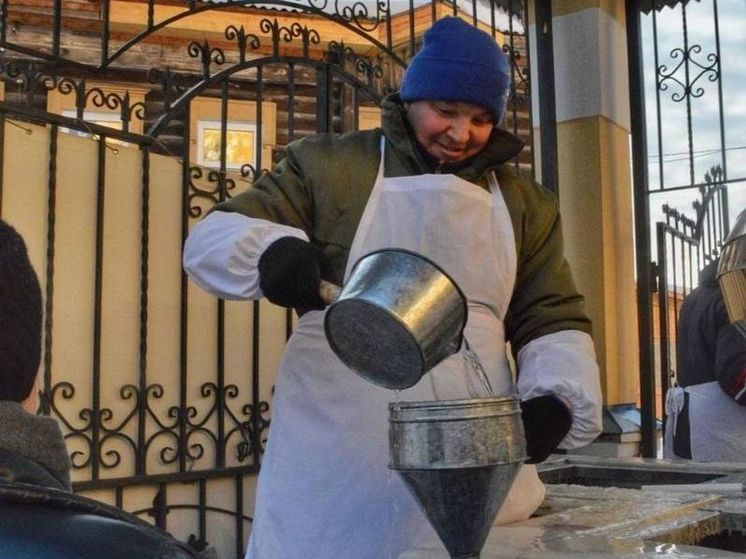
687 84
222 188
244 42
207 55
281 33
339 54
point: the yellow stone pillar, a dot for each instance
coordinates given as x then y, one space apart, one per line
592 101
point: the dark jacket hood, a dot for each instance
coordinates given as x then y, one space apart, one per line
708 274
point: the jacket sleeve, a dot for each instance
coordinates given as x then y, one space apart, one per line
549 332
221 253
545 299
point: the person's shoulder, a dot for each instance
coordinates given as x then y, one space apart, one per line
524 196
520 180
336 159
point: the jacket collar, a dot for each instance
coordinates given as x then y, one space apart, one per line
501 146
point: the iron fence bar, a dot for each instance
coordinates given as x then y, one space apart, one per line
56 27
140 454
184 298
238 517
97 310
256 446
322 99
547 102
711 225
513 69
49 273
160 506
389 33
256 443
202 511
681 244
531 135
119 497
411 30
291 102
687 93
643 265
220 381
663 314
493 25
723 157
105 21
259 119
725 211
355 109
223 193
659 119
3 21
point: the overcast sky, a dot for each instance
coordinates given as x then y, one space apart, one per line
705 110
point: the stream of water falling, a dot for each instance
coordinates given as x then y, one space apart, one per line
477 382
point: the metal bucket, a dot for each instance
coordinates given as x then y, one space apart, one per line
459 459
456 433
398 315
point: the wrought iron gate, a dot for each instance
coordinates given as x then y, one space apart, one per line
690 182
229 100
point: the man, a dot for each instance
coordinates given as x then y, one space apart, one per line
433 180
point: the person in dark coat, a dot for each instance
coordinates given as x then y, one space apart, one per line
703 315
32 449
711 375
41 517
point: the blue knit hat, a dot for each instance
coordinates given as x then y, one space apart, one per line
458 62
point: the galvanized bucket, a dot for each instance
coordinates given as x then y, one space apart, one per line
451 434
398 315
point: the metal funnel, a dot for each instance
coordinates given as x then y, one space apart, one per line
459 458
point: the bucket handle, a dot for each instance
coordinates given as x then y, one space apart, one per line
328 291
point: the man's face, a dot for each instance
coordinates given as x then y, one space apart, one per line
450 131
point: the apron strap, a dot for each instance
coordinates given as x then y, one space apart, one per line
383 157
492 181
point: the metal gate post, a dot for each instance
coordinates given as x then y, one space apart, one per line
547 102
645 285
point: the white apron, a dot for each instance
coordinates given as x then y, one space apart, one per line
325 490
716 423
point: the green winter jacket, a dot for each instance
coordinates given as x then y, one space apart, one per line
323 183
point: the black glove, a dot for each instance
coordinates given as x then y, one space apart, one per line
546 421
289 274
